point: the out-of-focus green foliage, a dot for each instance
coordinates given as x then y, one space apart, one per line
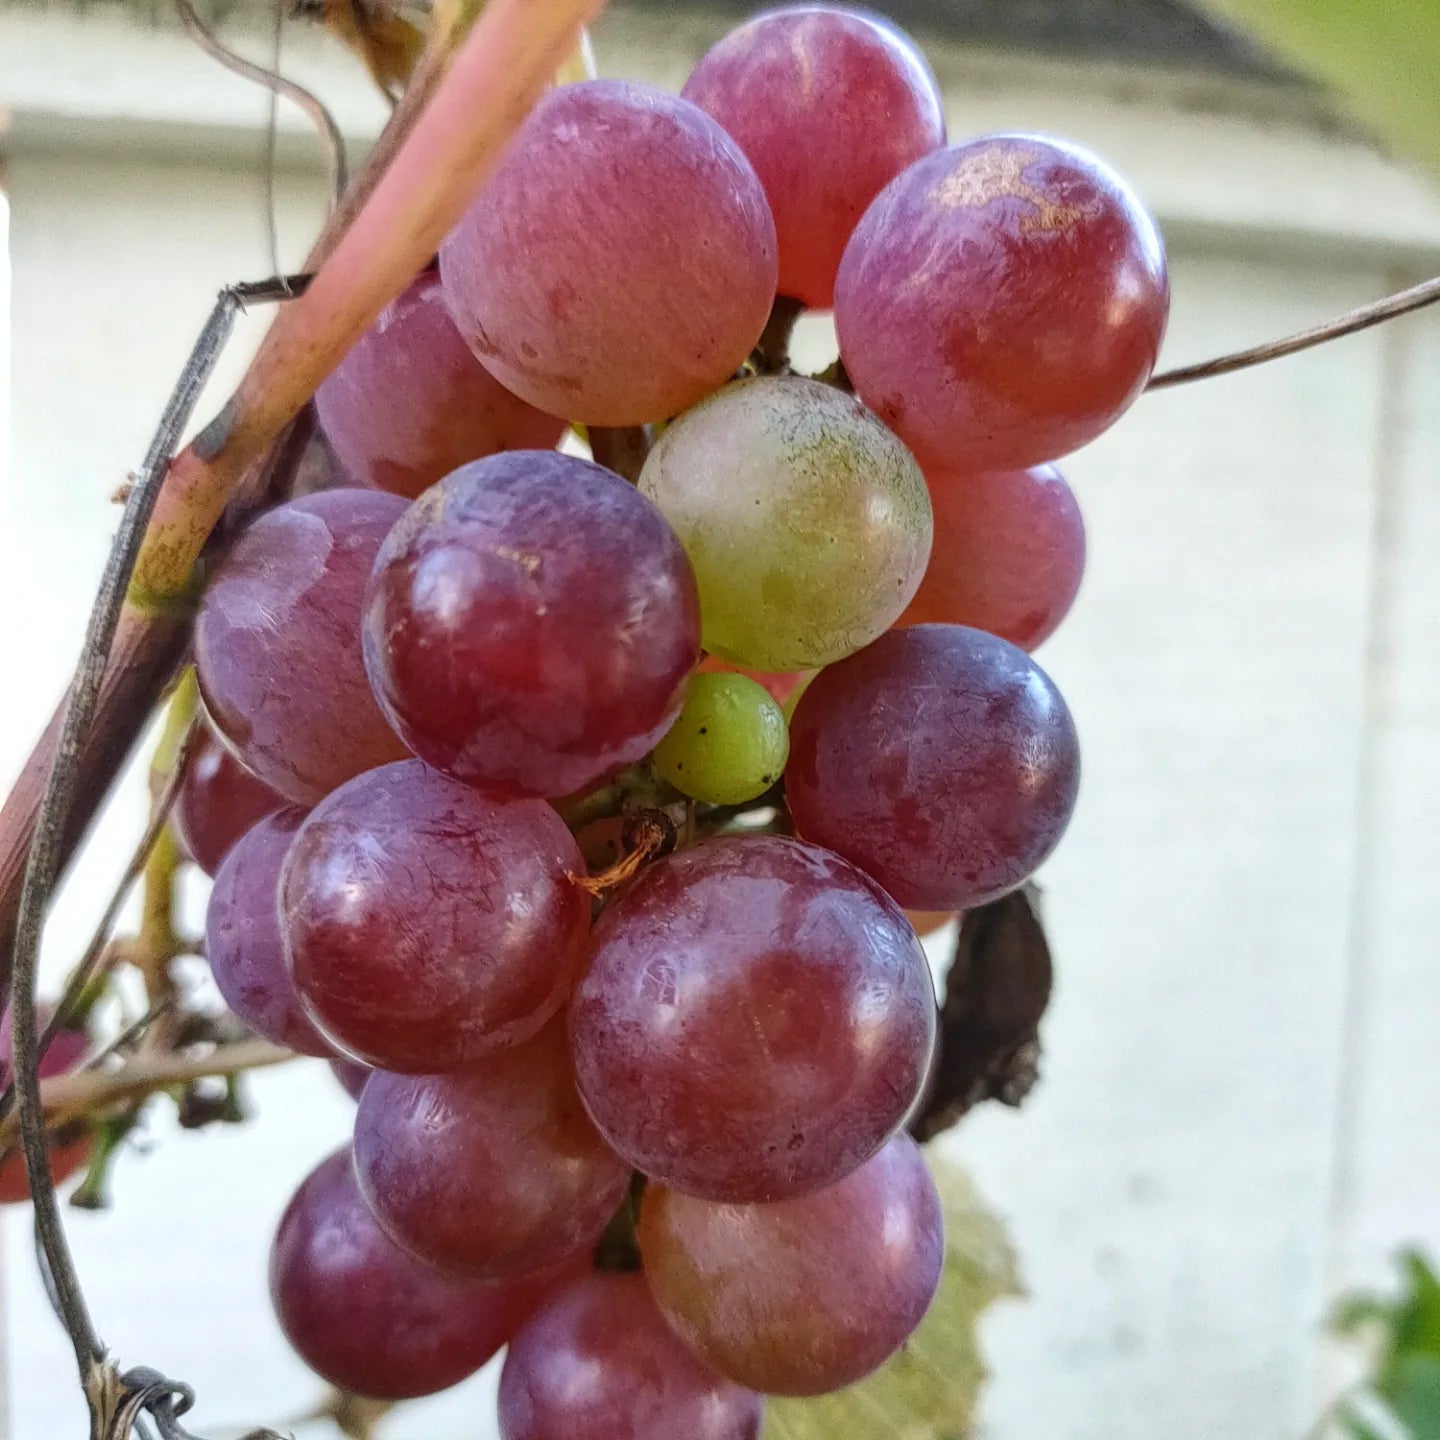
1406 1331
1381 56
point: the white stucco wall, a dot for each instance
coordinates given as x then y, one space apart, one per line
1236 1117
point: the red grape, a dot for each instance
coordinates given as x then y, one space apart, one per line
428 925
410 403
277 644
941 760
597 1362
531 624
243 942
1008 555
756 1020
352 1074
807 1295
620 264
1002 302
493 1171
829 104
370 1318
70 1149
217 802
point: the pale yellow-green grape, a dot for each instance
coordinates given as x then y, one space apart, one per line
729 743
806 521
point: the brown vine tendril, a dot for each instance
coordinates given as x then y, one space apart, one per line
1353 321
43 861
277 84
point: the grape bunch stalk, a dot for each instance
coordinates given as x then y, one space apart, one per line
583 815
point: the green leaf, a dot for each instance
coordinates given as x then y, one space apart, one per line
1417 1317
928 1391
1354 1313
1381 56
1412 1390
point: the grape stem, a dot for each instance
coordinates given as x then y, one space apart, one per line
656 835
82 1094
1352 322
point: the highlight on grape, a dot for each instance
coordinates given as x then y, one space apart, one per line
585 821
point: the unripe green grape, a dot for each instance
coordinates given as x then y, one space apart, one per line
729 743
806 521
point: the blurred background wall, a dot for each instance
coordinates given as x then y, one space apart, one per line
1237 1117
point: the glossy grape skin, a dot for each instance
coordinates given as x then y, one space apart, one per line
428 925
243 941
829 104
620 264
756 1020
368 1317
531 624
597 1362
493 1171
1002 302
71 1148
352 1074
277 644
728 744
807 522
941 760
217 802
807 1295
409 403
1008 557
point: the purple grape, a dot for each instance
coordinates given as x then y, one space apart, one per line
597 1362
243 942
428 925
829 105
352 1074
620 264
1002 302
807 1295
531 624
940 760
277 644
366 1316
756 1020
410 403
493 1171
217 802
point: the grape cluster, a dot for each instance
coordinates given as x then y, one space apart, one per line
646 1127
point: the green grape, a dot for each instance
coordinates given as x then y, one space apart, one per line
806 521
729 743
